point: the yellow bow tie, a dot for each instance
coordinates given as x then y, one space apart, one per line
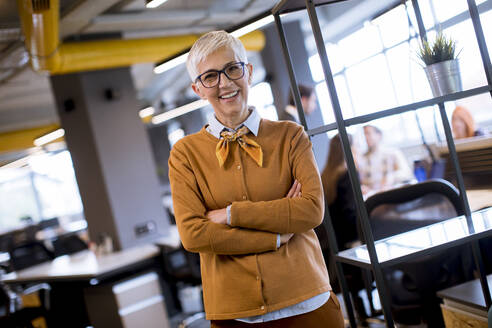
250 146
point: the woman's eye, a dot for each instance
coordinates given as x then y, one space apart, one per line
210 76
232 69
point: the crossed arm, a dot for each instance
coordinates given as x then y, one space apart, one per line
254 226
220 216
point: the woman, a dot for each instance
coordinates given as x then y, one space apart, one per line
338 194
340 201
462 124
236 188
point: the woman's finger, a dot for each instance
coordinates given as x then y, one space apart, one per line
292 190
298 190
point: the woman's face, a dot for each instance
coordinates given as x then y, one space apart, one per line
459 128
229 98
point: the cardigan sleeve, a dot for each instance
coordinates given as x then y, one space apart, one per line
288 215
197 232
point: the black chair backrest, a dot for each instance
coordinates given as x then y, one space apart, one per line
28 254
412 206
49 223
68 245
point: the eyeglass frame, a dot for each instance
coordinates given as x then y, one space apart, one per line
220 71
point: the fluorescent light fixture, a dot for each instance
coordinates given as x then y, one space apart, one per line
155 3
253 26
21 161
17 164
179 111
170 64
237 33
49 137
146 112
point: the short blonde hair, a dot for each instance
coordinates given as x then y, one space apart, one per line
207 44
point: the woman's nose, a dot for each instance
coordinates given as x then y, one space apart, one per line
223 80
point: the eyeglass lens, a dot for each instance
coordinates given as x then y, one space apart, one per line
233 72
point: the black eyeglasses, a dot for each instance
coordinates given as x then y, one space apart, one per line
210 79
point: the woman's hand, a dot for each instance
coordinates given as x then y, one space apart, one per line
218 216
285 237
295 190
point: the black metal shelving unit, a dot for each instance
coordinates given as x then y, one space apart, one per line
396 249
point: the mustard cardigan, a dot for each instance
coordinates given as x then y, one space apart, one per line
243 273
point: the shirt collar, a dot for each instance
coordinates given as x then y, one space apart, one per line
252 123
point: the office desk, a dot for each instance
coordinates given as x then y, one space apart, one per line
464 304
69 275
479 198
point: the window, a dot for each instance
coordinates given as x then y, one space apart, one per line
45 188
377 68
261 97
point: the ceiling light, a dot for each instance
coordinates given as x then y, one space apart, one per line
17 164
170 64
155 3
146 112
237 33
49 137
253 26
179 111
21 161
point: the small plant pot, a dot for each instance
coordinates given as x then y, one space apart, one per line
444 77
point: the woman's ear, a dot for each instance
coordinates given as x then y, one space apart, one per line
250 73
197 90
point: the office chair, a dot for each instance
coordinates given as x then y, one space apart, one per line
413 285
29 253
70 244
182 268
27 303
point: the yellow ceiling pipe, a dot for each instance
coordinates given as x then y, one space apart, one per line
23 139
40 23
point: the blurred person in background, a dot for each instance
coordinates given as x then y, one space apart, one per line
341 205
463 124
308 101
381 167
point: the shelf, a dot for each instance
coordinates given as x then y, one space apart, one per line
287 6
422 241
402 109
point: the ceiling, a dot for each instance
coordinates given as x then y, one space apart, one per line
26 100
25 96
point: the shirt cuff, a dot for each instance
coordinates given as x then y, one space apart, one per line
228 211
278 241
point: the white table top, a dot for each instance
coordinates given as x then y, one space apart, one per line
172 240
84 265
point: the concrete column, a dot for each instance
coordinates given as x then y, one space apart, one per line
112 156
278 78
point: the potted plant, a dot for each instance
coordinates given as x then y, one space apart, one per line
442 65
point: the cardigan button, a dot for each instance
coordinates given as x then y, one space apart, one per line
244 197
262 307
239 167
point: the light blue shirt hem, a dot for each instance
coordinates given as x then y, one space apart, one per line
306 306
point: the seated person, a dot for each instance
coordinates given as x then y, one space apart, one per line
381 167
463 125
340 200
308 100
338 195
